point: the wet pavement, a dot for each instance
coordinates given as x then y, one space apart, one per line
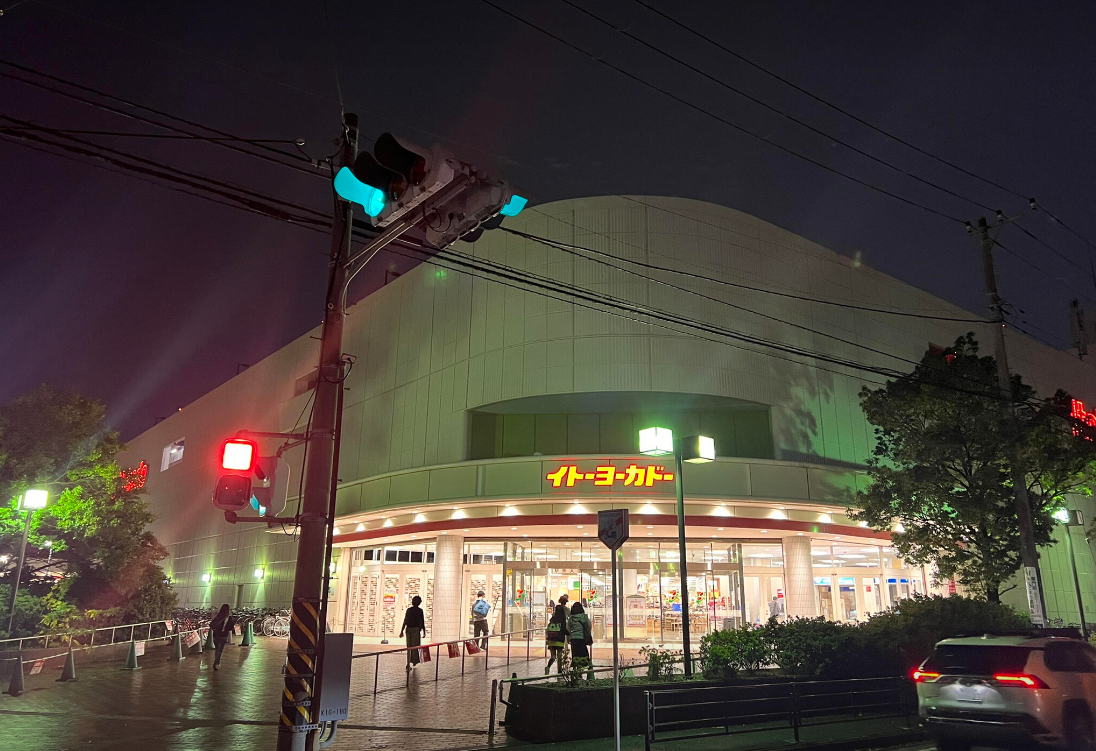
186 705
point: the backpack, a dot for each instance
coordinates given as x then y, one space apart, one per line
481 607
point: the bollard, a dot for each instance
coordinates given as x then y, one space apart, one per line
209 640
15 688
177 648
69 673
249 636
131 658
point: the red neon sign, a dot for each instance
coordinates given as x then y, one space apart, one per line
134 479
1078 412
631 476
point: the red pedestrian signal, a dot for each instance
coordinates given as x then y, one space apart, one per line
238 454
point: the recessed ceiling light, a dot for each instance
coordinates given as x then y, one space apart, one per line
798 534
525 535
649 527
585 534
650 534
579 527
513 529
719 529
467 530
764 531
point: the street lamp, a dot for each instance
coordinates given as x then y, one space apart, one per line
1072 518
694 449
32 500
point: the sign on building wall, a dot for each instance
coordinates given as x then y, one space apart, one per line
606 476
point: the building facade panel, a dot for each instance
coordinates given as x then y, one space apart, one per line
467 396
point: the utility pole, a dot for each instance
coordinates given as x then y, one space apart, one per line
299 719
1028 553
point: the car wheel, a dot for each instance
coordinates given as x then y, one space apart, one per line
1079 731
952 744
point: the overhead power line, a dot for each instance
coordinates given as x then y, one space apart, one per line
719 118
724 282
227 144
761 103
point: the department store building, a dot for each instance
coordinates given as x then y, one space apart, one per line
484 426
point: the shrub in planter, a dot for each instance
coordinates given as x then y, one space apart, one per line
911 628
807 646
660 662
724 654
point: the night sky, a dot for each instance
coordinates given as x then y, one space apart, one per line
147 298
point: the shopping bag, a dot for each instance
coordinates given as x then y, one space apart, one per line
424 654
454 650
471 647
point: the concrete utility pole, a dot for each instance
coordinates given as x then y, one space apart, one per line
1028 553
298 720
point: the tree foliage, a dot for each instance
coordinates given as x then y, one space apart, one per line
96 521
942 460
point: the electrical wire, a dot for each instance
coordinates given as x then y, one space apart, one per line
761 103
126 134
559 245
166 173
719 118
826 102
140 118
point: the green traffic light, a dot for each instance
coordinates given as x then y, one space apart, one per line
354 190
514 206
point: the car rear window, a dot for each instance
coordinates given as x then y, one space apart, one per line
971 659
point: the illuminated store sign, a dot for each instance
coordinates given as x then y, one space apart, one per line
1079 413
607 476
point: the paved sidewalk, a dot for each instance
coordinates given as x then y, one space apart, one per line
186 706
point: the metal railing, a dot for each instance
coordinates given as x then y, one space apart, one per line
483 643
74 637
735 709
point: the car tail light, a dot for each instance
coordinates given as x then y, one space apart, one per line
924 676
1030 681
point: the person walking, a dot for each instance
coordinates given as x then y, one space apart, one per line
480 609
414 624
555 639
580 638
221 626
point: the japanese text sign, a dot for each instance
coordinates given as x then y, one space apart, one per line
609 476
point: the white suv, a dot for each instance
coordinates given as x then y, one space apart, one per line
1009 691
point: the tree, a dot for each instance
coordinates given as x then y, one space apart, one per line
97 520
940 466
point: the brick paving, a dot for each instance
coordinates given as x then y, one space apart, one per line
187 706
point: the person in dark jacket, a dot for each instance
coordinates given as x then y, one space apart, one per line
414 624
221 626
555 639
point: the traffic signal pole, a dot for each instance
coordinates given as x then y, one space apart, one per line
299 719
1028 553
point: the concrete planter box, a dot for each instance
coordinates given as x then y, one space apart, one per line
548 714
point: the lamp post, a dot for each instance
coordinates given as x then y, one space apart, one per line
694 449
32 500
1072 518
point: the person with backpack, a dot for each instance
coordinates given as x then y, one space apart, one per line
221 626
555 639
580 637
480 609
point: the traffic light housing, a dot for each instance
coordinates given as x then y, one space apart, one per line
233 489
450 198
